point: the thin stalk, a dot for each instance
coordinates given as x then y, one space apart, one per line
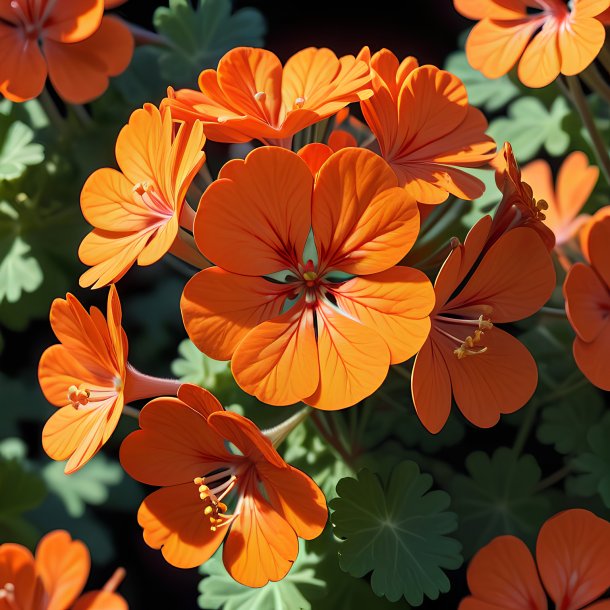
554 312
114 581
51 110
332 441
131 412
277 435
144 36
205 173
82 115
554 478
604 59
596 82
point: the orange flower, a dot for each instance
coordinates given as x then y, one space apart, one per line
587 293
426 128
566 37
575 183
54 579
88 376
306 299
183 448
518 207
251 96
137 212
68 40
572 566
466 356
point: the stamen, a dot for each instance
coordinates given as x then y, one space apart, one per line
8 593
23 17
78 396
212 496
310 276
299 102
469 347
541 206
261 96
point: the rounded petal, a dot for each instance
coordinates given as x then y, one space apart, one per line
23 70
538 175
494 9
73 20
172 519
598 248
503 576
395 303
592 358
278 360
315 155
219 309
541 60
580 42
175 445
431 387
17 567
256 218
572 555
100 600
362 222
63 564
354 360
261 545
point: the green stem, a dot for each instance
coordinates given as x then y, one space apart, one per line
330 439
604 58
554 312
596 82
51 110
82 115
526 427
277 435
144 36
131 412
554 478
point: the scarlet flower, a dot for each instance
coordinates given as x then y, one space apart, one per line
426 128
575 183
587 293
209 493
306 299
54 579
68 40
88 377
546 37
251 96
467 356
518 207
137 212
571 567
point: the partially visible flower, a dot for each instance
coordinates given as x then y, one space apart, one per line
519 207
307 300
587 293
251 96
571 566
70 41
88 377
586 229
137 212
467 356
250 498
54 579
426 128
575 183
546 37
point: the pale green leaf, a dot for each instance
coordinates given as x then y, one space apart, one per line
18 151
18 272
195 367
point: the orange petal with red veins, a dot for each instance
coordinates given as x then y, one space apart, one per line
354 360
278 360
431 387
17 567
362 222
23 71
494 9
63 564
219 309
395 303
257 221
172 519
261 545
572 555
296 498
199 399
503 576
71 21
100 600
580 41
593 358
174 446
541 60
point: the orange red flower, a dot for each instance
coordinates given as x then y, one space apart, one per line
53 579
546 37
88 377
251 96
587 293
575 183
137 212
306 299
70 41
486 370
571 566
251 498
426 129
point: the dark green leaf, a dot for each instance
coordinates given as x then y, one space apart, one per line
20 490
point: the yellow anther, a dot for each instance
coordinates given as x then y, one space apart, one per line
198 480
213 528
222 507
310 276
469 347
208 510
542 204
203 488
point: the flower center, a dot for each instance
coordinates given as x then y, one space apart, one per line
7 594
213 489
153 200
471 345
78 396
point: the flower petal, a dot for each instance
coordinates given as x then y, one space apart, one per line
395 303
541 60
100 600
593 358
17 567
494 9
71 21
278 360
572 555
172 519
580 41
598 248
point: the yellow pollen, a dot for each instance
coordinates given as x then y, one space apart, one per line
78 396
208 510
214 508
261 96
310 276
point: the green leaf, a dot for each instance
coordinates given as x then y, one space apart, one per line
18 152
487 202
499 497
294 592
483 92
530 127
594 465
13 449
195 367
18 272
89 485
200 37
20 490
398 533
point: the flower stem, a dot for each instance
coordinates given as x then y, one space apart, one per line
554 478
205 173
277 435
554 312
596 82
131 412
139 386
144 36
82 115
51 110
334 442
185 249
115 580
